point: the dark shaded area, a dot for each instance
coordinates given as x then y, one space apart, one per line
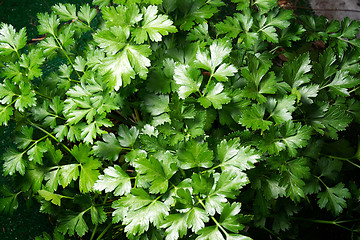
26 223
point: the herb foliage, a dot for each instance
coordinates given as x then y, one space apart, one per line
165 119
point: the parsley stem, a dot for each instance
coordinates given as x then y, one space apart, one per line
354 89
36 142
336 223
94 231
42 95
320 180
212 217
50 135
103 232
66 55
272 233
207 85
343 159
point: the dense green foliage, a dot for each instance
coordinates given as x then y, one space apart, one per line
187 119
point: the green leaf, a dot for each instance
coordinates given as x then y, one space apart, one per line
66 12
341 82
215 96
234 156
98 215
196 219
153 26
156 104
48 23
210 233
5 114
280 110
10 40
200 32
188 80
72 224
68 173
7 92
52 178
123 66
227 186
156 172
329 120
49 46
219 50
109 149
127 137
89 132
25 137
101 3
241 4
88 167
142 210
26 98
86 13
254 118
259 80
334 198
290 136
114 180
176 225
195 11
265 5
326 66
36 153
279 17
112 40
195 154
349 28
8 201
53 197
294 172
14 162
123 15
230 217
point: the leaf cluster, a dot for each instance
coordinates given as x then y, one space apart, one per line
168 120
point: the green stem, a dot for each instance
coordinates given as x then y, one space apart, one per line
207 85
42 95
50 135
36 141
212 217
343 159
320 180
336 223
353 90
67 56
348 42
105 198
137 115
94 231
103 232
86 25
272 233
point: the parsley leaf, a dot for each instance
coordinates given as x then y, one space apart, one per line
10 40
196 154
333 198
73 224
233 156
140 206
114 180
88 167
153 26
